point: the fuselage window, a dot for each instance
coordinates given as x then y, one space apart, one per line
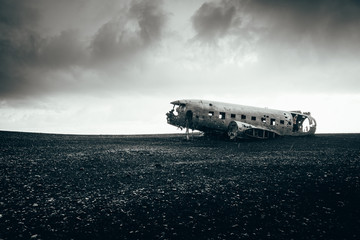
253 118
263 120
243 116
282 122
272 121
211 114
233 115
222 115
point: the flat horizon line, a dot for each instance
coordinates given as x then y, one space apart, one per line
137 134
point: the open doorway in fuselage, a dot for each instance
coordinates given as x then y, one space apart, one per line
300 123
295 122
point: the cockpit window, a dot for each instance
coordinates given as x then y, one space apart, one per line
182 107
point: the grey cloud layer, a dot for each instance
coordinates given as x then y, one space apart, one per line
32 61
27 55
315 25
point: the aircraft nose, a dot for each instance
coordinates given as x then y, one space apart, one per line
176 102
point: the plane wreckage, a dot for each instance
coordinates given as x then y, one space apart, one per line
238 121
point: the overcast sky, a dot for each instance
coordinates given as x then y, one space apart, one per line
113 66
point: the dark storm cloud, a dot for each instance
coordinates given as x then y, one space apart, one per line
17 13
322 25
63 50
134 31
18 44
29 58
319 25
151 20
213 20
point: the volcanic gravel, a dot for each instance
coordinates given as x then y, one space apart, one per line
163 187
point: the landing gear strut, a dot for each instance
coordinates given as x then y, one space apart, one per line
189 116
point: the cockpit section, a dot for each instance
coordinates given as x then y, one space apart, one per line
177 116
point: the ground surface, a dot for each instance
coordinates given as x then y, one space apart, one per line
162 187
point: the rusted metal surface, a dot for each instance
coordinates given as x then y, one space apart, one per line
239 121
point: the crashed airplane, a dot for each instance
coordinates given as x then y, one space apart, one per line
238 121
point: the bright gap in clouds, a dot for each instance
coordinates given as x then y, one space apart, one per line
89 115
146 115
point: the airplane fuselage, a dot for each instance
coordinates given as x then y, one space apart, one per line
239 121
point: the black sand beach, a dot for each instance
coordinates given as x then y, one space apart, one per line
162 187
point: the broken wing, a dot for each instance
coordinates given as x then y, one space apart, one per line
239 129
